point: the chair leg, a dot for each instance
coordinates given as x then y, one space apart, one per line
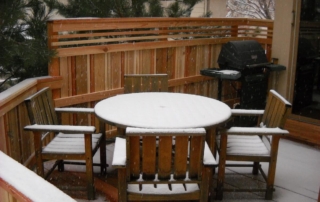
38 154
122 185
103 156
272 167
89 167
60 166
222 165
206 184
255 169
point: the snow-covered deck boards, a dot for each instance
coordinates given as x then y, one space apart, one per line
297 176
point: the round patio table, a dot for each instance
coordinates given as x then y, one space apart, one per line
162 110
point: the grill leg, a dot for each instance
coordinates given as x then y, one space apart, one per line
220 89
255 169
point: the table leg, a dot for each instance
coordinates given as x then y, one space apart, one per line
121 132
103 155
211 140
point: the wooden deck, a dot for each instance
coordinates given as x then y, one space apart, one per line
84 74
289 185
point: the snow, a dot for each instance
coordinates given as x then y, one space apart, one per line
163 189
253 130
280 96
157 130
61 128
75 109
120 151
208 158
29 183
246 112
227 72
11 92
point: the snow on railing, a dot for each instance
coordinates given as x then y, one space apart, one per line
25 185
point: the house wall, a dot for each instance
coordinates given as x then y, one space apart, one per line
199 9
218 8
286 25
284 47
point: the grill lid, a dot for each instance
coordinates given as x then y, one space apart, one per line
239 55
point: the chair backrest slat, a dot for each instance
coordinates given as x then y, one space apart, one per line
165 157
166 154
277 108
41 108
180 157
196 156
149 157
135 83
133 157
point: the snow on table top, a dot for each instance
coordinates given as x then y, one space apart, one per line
28 183
162 110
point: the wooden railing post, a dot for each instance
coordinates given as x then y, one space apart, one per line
53 66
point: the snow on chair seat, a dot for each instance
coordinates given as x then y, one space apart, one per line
245 145
70 143
150 167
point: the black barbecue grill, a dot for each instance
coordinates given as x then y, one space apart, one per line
244 61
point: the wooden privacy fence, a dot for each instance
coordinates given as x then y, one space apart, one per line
94 54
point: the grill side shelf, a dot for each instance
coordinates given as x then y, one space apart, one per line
221 74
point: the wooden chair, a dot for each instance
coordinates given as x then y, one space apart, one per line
151 169
136 83
66 142
255 144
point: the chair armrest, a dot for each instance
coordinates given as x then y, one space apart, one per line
120 153
74 110
61 128
208 158
256 131
246 112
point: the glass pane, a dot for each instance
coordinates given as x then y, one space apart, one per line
306 100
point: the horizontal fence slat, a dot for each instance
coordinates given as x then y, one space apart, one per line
65 52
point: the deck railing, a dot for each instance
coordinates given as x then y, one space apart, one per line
18 184
94 54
